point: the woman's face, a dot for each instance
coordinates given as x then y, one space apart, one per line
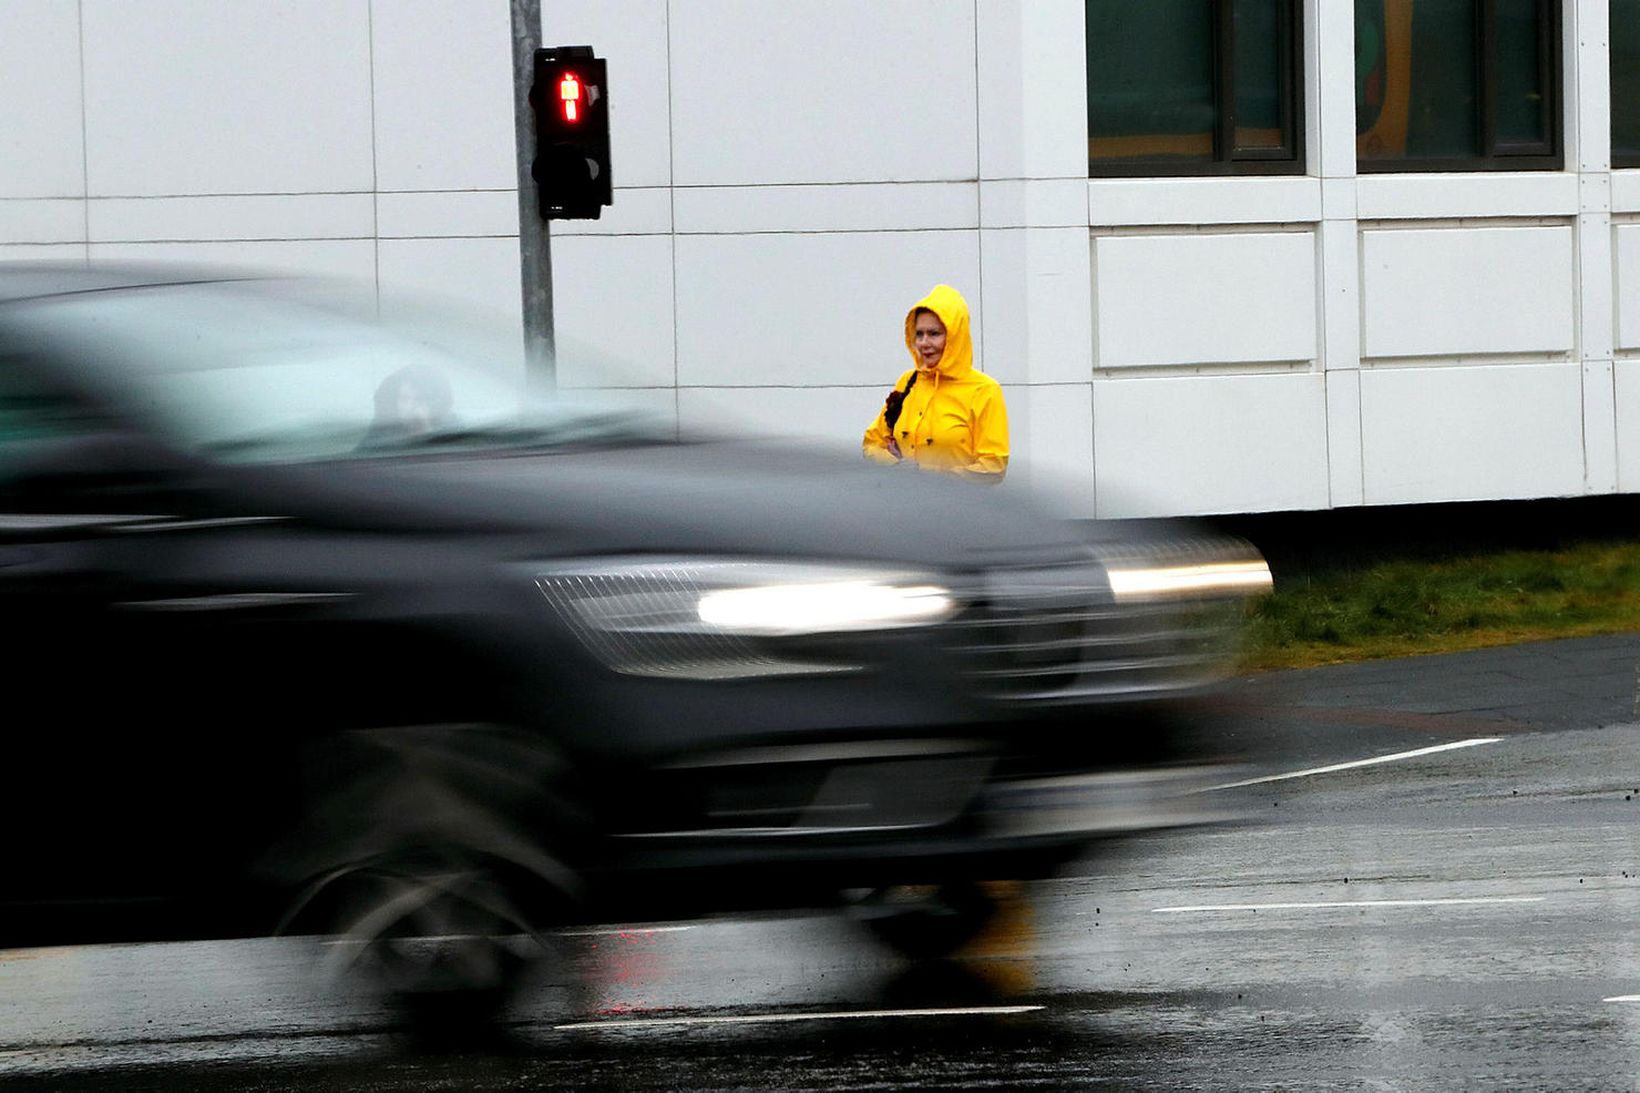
928 336
414 410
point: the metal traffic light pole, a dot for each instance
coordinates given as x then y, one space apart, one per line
534 234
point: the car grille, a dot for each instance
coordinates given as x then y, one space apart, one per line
1045 635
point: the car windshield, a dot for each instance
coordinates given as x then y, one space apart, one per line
263 372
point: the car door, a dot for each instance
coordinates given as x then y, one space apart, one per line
107 802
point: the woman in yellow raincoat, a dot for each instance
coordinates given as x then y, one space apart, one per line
943 414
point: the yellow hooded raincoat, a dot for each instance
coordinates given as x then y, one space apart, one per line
953 419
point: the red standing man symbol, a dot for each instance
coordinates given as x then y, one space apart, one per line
569 91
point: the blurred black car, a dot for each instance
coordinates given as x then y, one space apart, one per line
314 625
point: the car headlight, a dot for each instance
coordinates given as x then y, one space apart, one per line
723 619
1209 581
1214 571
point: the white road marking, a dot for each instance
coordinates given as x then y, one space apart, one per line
1623 998
1414 754
1344 903
782 1018
602 931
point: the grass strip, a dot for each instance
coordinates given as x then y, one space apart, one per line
1406 607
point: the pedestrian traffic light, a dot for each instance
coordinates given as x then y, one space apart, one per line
570 97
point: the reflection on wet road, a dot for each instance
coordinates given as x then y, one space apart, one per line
1462 918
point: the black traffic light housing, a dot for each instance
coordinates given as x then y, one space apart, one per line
570 97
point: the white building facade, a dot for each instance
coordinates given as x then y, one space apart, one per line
1176 333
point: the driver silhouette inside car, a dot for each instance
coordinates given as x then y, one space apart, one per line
410 402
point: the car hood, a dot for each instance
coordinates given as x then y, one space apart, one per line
716 497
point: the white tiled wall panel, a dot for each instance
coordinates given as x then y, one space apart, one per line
261 216
1038 315
1626 377
1626 291
1341 293
1489 193
646 211
1458 434
1467 290
1339 198
1033 91
1595 260
456 213
349 259
822 91
205 97
1051 434
443 94
903 207
622 338
1626 191
1329 30
1599 427
1210 444
833 418
41 154
1146 202
42 220
1344 436
631 35
1205 299
1027 203
1004 304
811 309
481 274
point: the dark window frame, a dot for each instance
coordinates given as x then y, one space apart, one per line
1288 159
1548 154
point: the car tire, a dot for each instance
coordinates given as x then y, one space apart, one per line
427 857
442 947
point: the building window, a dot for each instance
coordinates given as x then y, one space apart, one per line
1188 87
1457 85
1625 39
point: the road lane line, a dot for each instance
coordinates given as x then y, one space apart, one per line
784 1018
611 931
614 931
1414 754
1623 998
1326 904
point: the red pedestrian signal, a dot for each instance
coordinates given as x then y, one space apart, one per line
569 93
571 101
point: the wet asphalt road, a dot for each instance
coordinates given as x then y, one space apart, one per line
1463 918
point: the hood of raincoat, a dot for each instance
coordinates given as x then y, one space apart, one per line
948 304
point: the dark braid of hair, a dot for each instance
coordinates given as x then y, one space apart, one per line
896 402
